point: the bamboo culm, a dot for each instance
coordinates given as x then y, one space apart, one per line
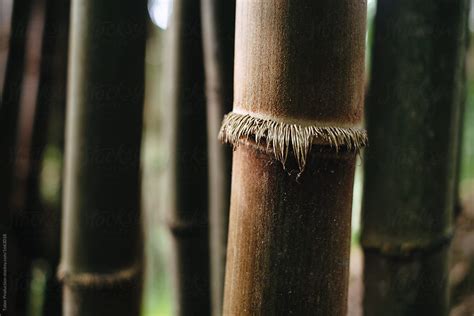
18 262
101 253
413 111
187 216
50 101
218 24
295 128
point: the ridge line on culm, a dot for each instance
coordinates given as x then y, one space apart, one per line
99 280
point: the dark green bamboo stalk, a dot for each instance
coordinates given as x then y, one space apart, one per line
413 108
25 228
188 214
51 92
101 256
18 263
50 101
299 68
218 37
10 100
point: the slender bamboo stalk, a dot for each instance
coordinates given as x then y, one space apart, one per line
6 10
413 109
188 214
50 99
101 255
51 92
10 100
18 262
25 228
462 111
298 100
218 37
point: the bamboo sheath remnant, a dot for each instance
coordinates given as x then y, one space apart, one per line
298 97
281 136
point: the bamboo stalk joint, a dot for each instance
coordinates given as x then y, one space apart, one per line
279 136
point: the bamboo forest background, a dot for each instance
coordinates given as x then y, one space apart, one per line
155 158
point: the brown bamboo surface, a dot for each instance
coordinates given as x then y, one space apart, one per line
298 67
101 253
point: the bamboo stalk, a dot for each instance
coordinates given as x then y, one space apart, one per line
298 102
51 92
10 100
18 263
413 109
463 100
187 218
218 29
50 99
101 254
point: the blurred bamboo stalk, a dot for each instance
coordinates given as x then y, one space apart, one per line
413 124
50 100
462 111
101 254
299 69
10 102
18 265
218 29
187 218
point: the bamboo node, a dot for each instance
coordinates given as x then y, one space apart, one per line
279 136
405 249
99 280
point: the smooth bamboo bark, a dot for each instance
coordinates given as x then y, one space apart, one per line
218 37
101 254
413 109
187 217
298 101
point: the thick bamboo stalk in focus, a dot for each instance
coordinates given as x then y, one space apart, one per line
295 126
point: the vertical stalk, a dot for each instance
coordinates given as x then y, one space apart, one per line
188 214
51 93
10 102
218 29
101 257
11 92
298 102
25 228
413 116
462 111
50 99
